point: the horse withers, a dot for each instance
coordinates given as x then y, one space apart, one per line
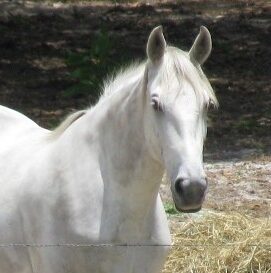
85 197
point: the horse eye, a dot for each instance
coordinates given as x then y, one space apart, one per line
155 103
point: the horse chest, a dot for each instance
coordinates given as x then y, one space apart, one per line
131 230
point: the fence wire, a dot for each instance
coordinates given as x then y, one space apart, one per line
14 245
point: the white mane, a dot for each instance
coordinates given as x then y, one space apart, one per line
118 82
176 64
67 123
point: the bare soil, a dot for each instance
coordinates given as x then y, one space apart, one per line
241 184
37 37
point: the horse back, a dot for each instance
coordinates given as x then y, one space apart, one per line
10 118
17 133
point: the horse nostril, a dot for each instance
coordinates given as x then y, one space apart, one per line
179 186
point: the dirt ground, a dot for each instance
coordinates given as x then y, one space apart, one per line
36 38
240 184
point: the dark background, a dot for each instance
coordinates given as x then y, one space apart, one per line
37 38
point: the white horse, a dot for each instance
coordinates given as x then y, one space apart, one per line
84 197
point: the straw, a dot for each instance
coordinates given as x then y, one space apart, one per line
221 242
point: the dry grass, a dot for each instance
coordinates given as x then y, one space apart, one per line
220 242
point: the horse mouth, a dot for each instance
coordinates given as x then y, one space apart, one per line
190 210
184 210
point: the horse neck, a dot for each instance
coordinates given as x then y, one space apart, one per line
124 149
109 144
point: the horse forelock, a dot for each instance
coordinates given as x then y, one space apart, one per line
177 66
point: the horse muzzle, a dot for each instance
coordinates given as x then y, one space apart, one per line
189 194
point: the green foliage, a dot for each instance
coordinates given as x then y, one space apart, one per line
248 126
90 67
170 209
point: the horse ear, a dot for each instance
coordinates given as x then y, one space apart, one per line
202 47
156 44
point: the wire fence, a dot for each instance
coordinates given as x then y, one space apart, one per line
14 245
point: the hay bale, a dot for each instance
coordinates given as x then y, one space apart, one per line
220 242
